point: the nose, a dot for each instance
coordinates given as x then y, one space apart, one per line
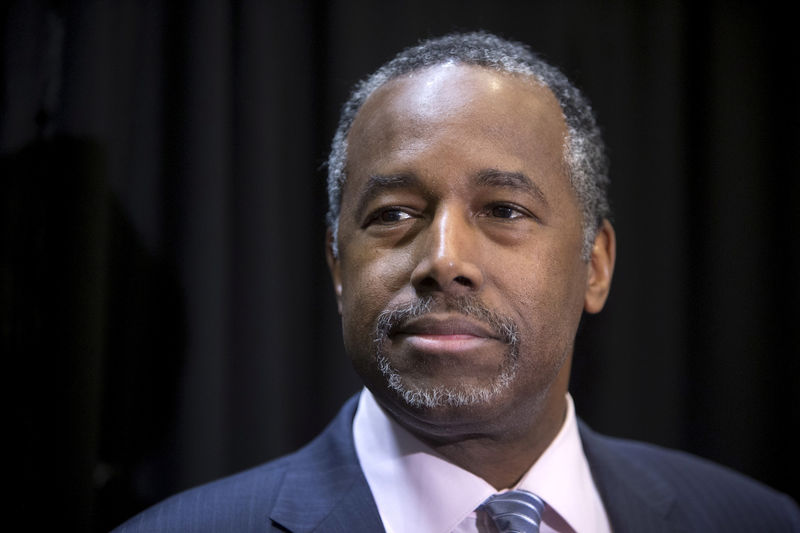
447 256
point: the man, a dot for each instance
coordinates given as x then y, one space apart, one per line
468 232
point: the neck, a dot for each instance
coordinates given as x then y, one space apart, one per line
497 442
502 459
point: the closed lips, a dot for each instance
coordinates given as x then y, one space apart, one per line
445 327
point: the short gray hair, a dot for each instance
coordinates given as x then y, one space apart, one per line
584 150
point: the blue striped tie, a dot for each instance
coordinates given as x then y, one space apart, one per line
515 511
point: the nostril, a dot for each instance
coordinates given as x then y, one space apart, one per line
429 283
461 280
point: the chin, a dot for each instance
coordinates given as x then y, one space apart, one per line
420 394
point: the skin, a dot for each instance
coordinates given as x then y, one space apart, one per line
457 186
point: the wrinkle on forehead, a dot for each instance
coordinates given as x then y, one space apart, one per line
401 115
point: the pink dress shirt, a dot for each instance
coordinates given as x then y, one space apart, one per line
418 491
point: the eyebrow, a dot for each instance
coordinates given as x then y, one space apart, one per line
515 180
378 183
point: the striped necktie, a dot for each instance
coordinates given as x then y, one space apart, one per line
515 511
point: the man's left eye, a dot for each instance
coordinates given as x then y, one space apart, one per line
505 211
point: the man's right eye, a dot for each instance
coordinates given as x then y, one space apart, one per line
390 216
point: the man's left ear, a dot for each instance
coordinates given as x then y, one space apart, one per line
601 268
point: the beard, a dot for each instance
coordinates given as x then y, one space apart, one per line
466 395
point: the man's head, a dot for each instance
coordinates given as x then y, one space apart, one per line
463 265
584 150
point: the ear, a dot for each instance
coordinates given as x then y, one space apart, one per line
333 266
601 268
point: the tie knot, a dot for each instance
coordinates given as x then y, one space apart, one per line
515 511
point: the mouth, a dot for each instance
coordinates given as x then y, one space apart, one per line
443 333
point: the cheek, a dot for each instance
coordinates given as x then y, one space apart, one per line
549 313
370 281
548 297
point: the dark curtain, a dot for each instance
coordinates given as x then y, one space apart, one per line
167 316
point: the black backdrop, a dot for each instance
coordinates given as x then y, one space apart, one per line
166 312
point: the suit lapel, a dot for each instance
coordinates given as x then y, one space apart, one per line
324 488
634 496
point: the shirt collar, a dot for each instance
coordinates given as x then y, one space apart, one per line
403 473
562 478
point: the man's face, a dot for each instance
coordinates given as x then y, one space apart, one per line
459 276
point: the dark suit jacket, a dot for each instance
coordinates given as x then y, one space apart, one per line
645 489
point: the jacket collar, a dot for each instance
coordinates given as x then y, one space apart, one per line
324 488
635 497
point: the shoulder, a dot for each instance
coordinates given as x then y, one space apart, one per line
243 501
232 503
684 485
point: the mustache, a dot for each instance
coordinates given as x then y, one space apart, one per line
393 318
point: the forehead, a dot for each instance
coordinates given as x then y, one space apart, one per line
509 113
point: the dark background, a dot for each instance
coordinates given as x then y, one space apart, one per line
167 316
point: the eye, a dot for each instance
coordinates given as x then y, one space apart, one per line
388 216
393 215
506 211
503 211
